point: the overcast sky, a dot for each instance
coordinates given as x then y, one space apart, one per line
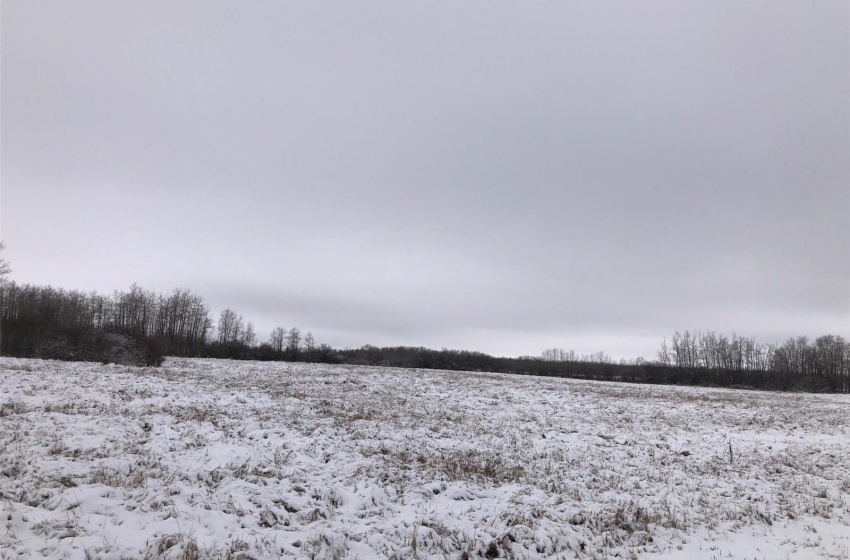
495 176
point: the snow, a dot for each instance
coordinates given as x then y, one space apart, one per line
240 460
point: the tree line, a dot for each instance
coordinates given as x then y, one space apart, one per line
712 359
139 327
704 359
823 363
136 326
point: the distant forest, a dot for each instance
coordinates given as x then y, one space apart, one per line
139 327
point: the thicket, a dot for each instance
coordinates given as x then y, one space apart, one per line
139 327
44 322
136 327
820 364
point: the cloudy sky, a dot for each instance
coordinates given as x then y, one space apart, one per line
501 176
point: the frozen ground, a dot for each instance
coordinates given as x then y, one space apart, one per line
220 459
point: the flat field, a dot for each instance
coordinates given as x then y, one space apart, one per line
222 459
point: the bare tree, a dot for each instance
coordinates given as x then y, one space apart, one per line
559 355
249 337
5 269
4 266
230 326
664 354
277 339
294 341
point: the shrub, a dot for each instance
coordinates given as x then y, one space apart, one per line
107 348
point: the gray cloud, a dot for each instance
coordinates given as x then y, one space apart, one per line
503 177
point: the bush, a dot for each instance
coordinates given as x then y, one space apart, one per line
153 352
107 348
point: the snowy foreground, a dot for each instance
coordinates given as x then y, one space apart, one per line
220 459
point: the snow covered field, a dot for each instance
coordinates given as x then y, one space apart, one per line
220 459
